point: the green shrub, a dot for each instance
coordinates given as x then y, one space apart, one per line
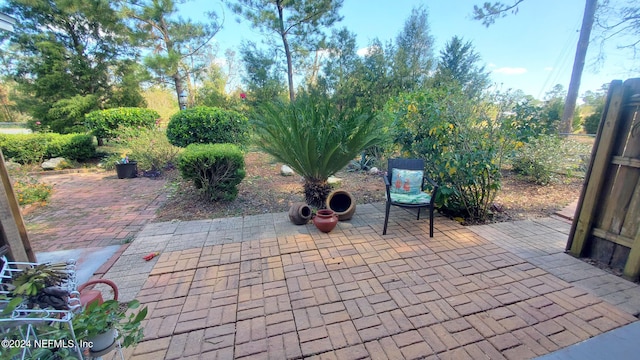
463 142
24 148
207 125
106 124
28 190
217 169
542 158
109 160
152 150
592 121
33 148
70 146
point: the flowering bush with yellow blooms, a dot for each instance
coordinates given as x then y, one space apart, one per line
463 141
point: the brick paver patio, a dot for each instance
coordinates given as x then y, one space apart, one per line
259 287
93 209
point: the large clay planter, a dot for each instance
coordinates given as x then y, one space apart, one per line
342 203
325 220
299 213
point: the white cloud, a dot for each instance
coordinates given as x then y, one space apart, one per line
510 70
222 62
492 65
324 53
548 68
365 50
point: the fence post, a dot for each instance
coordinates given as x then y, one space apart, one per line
602 148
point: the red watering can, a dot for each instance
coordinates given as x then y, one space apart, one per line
91 295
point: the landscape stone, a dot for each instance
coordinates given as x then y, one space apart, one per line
10 165
51 164
286 171
332 180
374 171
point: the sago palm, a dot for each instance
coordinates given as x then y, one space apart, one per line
314 139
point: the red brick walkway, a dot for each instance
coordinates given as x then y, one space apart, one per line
93 210
354 294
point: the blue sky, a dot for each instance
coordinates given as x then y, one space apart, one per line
532 50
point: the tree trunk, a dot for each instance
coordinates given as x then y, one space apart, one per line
178 84
316 192
287 51
578 66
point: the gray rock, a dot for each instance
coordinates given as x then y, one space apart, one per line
286 171
10 165
332 180
51 164
374 171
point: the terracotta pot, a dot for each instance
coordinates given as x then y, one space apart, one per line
343 203
299 213
325 220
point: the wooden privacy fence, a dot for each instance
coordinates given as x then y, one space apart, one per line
607 222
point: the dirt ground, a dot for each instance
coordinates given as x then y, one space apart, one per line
264 190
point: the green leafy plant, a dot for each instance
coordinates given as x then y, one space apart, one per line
106 124
592 121
314 139
29 190
57 331
543 158
110 160
207 125
23 148
98 318
463 141
151 149
33 279
217 169
70 146
33 148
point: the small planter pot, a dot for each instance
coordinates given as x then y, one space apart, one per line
342 203
102 342
299 213
325 220
128 170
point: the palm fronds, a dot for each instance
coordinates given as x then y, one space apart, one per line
312 137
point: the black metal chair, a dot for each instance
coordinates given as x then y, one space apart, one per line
401 193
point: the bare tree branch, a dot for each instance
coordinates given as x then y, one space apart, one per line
488 12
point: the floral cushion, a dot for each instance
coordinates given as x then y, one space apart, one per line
421 198
406 181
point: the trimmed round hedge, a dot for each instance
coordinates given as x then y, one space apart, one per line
207 125
216 169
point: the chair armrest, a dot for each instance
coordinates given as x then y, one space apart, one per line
433 183
387 186
435 186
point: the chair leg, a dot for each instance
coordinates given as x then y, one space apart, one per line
431 221
386 219
418 218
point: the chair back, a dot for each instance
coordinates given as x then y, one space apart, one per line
405 164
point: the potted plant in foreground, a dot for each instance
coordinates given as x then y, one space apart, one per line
126 169
103 324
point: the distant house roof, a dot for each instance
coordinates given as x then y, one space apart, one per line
6 22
